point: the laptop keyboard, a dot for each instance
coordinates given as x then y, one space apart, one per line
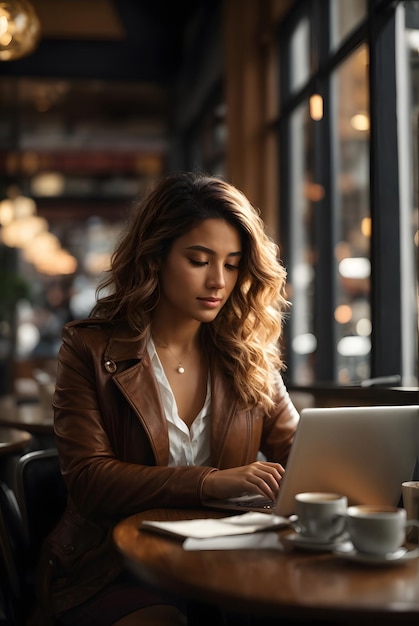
257 502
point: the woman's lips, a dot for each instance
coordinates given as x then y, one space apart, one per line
211 303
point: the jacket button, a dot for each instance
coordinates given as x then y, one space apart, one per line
110 366
69 548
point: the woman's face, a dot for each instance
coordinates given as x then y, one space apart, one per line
200 272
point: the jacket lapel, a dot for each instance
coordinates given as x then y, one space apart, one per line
139 386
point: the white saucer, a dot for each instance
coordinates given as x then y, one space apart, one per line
347 551
310 543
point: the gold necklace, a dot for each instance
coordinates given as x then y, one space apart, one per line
180 369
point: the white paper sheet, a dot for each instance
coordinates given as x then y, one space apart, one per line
246 523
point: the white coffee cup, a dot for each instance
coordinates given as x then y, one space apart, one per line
410 492
319 515
377 529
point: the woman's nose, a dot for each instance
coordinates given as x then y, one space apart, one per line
215 277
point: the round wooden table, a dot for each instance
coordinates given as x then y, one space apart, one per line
303 585
13 439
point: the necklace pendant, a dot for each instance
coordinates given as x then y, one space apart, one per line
180 369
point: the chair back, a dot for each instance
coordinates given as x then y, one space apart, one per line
41 495
12 554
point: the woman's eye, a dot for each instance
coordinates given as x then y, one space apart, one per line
197 263
229 266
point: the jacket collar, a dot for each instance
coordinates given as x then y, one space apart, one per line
124 345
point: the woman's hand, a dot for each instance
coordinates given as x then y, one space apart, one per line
260 477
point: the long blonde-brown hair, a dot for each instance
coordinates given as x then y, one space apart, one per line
246 333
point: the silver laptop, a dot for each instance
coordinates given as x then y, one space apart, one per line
364 453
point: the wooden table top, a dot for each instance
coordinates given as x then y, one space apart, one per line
293 583
31 416
13 439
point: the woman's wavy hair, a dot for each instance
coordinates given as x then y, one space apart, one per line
245 335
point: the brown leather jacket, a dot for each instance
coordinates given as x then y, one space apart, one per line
112 440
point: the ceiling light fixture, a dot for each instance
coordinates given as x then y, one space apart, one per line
20 29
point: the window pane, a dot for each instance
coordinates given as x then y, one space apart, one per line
344 17
300 55
351 212
301 273
408 91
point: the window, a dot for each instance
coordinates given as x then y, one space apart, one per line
349 157
350 190
301 251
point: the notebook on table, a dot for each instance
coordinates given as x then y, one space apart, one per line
364 453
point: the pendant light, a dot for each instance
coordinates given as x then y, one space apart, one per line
20 29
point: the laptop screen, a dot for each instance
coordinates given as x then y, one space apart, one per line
364 453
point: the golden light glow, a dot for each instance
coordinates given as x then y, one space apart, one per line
20 29
22 228
366 226
19 232
23 207
316 107
343 314
361 122
61 262
41 247
48 184
6 212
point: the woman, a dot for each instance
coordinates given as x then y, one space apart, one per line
167 393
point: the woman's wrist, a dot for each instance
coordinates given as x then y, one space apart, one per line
203 495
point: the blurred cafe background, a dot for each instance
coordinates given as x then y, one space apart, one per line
311 107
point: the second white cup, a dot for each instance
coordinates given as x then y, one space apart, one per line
377 529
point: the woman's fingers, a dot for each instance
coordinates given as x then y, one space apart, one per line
265 478
260 482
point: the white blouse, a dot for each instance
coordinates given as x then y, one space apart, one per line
186 446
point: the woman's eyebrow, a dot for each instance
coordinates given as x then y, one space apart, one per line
209 251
